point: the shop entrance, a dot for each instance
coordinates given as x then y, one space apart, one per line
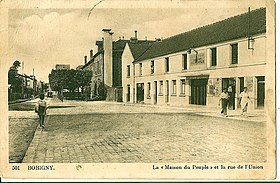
128 93
140 92
260 91
230 85
198 91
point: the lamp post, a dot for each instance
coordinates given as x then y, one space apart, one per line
251 40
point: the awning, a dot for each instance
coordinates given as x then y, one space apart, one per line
201 76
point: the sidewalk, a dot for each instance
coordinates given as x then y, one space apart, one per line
25 113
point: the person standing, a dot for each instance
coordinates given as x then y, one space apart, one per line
224 102
41 108
244 101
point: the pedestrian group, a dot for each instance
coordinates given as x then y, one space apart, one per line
243 102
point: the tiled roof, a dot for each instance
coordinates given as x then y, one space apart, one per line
138 48
225 30
119 44
92 59
118 48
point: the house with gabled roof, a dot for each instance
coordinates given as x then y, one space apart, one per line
132 51
192 68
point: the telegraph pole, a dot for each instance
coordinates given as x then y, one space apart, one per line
24 79
33 84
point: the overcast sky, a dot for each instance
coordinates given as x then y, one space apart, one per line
42 38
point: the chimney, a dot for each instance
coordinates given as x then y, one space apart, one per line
99 45
135 33
85 60
90 54
108 57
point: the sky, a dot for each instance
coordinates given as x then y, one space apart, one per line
42 38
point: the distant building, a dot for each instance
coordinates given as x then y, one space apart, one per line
192 68
62 67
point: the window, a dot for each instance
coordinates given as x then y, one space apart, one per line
140 69
160 87
149 90
183 86
241 82
152 67
133 70
167 64
234 53
174 88
128 70
185 61
213 56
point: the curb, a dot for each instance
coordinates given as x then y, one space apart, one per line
31 151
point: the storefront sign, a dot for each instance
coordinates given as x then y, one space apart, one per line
197 58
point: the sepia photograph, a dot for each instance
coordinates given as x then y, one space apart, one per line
138 89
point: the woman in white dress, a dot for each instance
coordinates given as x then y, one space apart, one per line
244 101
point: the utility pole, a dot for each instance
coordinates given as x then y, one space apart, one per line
33 84
23 80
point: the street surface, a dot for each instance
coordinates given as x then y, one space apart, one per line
96 132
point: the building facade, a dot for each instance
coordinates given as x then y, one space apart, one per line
106 65
192 68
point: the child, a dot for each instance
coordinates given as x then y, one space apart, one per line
41 108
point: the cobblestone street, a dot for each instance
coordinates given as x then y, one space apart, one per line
155 136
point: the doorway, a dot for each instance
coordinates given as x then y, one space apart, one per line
230 85
260 91
140 92
167 92
198 91
128 93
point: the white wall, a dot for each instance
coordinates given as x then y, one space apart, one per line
251 63
127 59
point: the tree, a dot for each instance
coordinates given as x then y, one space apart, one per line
69 79
84 78
14 78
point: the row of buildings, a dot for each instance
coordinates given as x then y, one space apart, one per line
29 87
190 68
